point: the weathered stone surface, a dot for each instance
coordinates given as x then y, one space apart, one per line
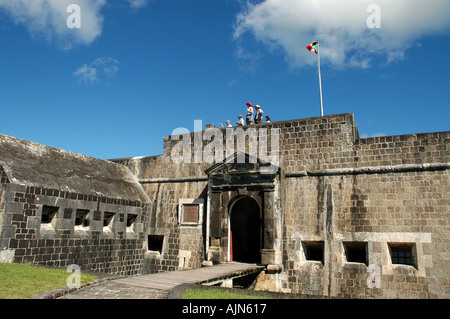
327 197
32 164
331 188
35 177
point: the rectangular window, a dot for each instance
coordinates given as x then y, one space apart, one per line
81 218
356 252
403 253
314 250
48 213
155 242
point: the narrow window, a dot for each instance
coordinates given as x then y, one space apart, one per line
81 218
131 218
48 213
155 243
107 219
403 254
313 250
356 252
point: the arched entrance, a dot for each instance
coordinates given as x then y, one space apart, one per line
245 231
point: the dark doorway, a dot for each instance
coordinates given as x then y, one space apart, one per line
245 231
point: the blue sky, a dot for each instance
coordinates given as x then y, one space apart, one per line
136 70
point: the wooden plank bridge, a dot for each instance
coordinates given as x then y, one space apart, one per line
205 275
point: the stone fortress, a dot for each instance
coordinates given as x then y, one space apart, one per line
327 212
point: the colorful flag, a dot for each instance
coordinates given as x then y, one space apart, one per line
313 47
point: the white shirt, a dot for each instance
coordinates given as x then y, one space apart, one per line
259 114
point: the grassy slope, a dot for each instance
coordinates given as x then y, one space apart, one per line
19 281
217 294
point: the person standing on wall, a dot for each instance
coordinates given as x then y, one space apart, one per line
249 118
259 114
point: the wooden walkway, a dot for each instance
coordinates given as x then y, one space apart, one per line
204 275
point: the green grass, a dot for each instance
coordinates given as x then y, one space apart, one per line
217 294
20 281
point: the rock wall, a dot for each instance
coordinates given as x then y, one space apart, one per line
340 216
349 207
58 208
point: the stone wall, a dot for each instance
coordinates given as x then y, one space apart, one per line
376 211
340 216
403 149
183 245
308 144
345 207
26 238
59 208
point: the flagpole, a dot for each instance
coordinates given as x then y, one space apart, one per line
320 79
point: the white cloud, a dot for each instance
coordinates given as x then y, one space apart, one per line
136 4
341 26
86 74
47 19
99 70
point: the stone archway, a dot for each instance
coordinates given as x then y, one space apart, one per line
245 230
